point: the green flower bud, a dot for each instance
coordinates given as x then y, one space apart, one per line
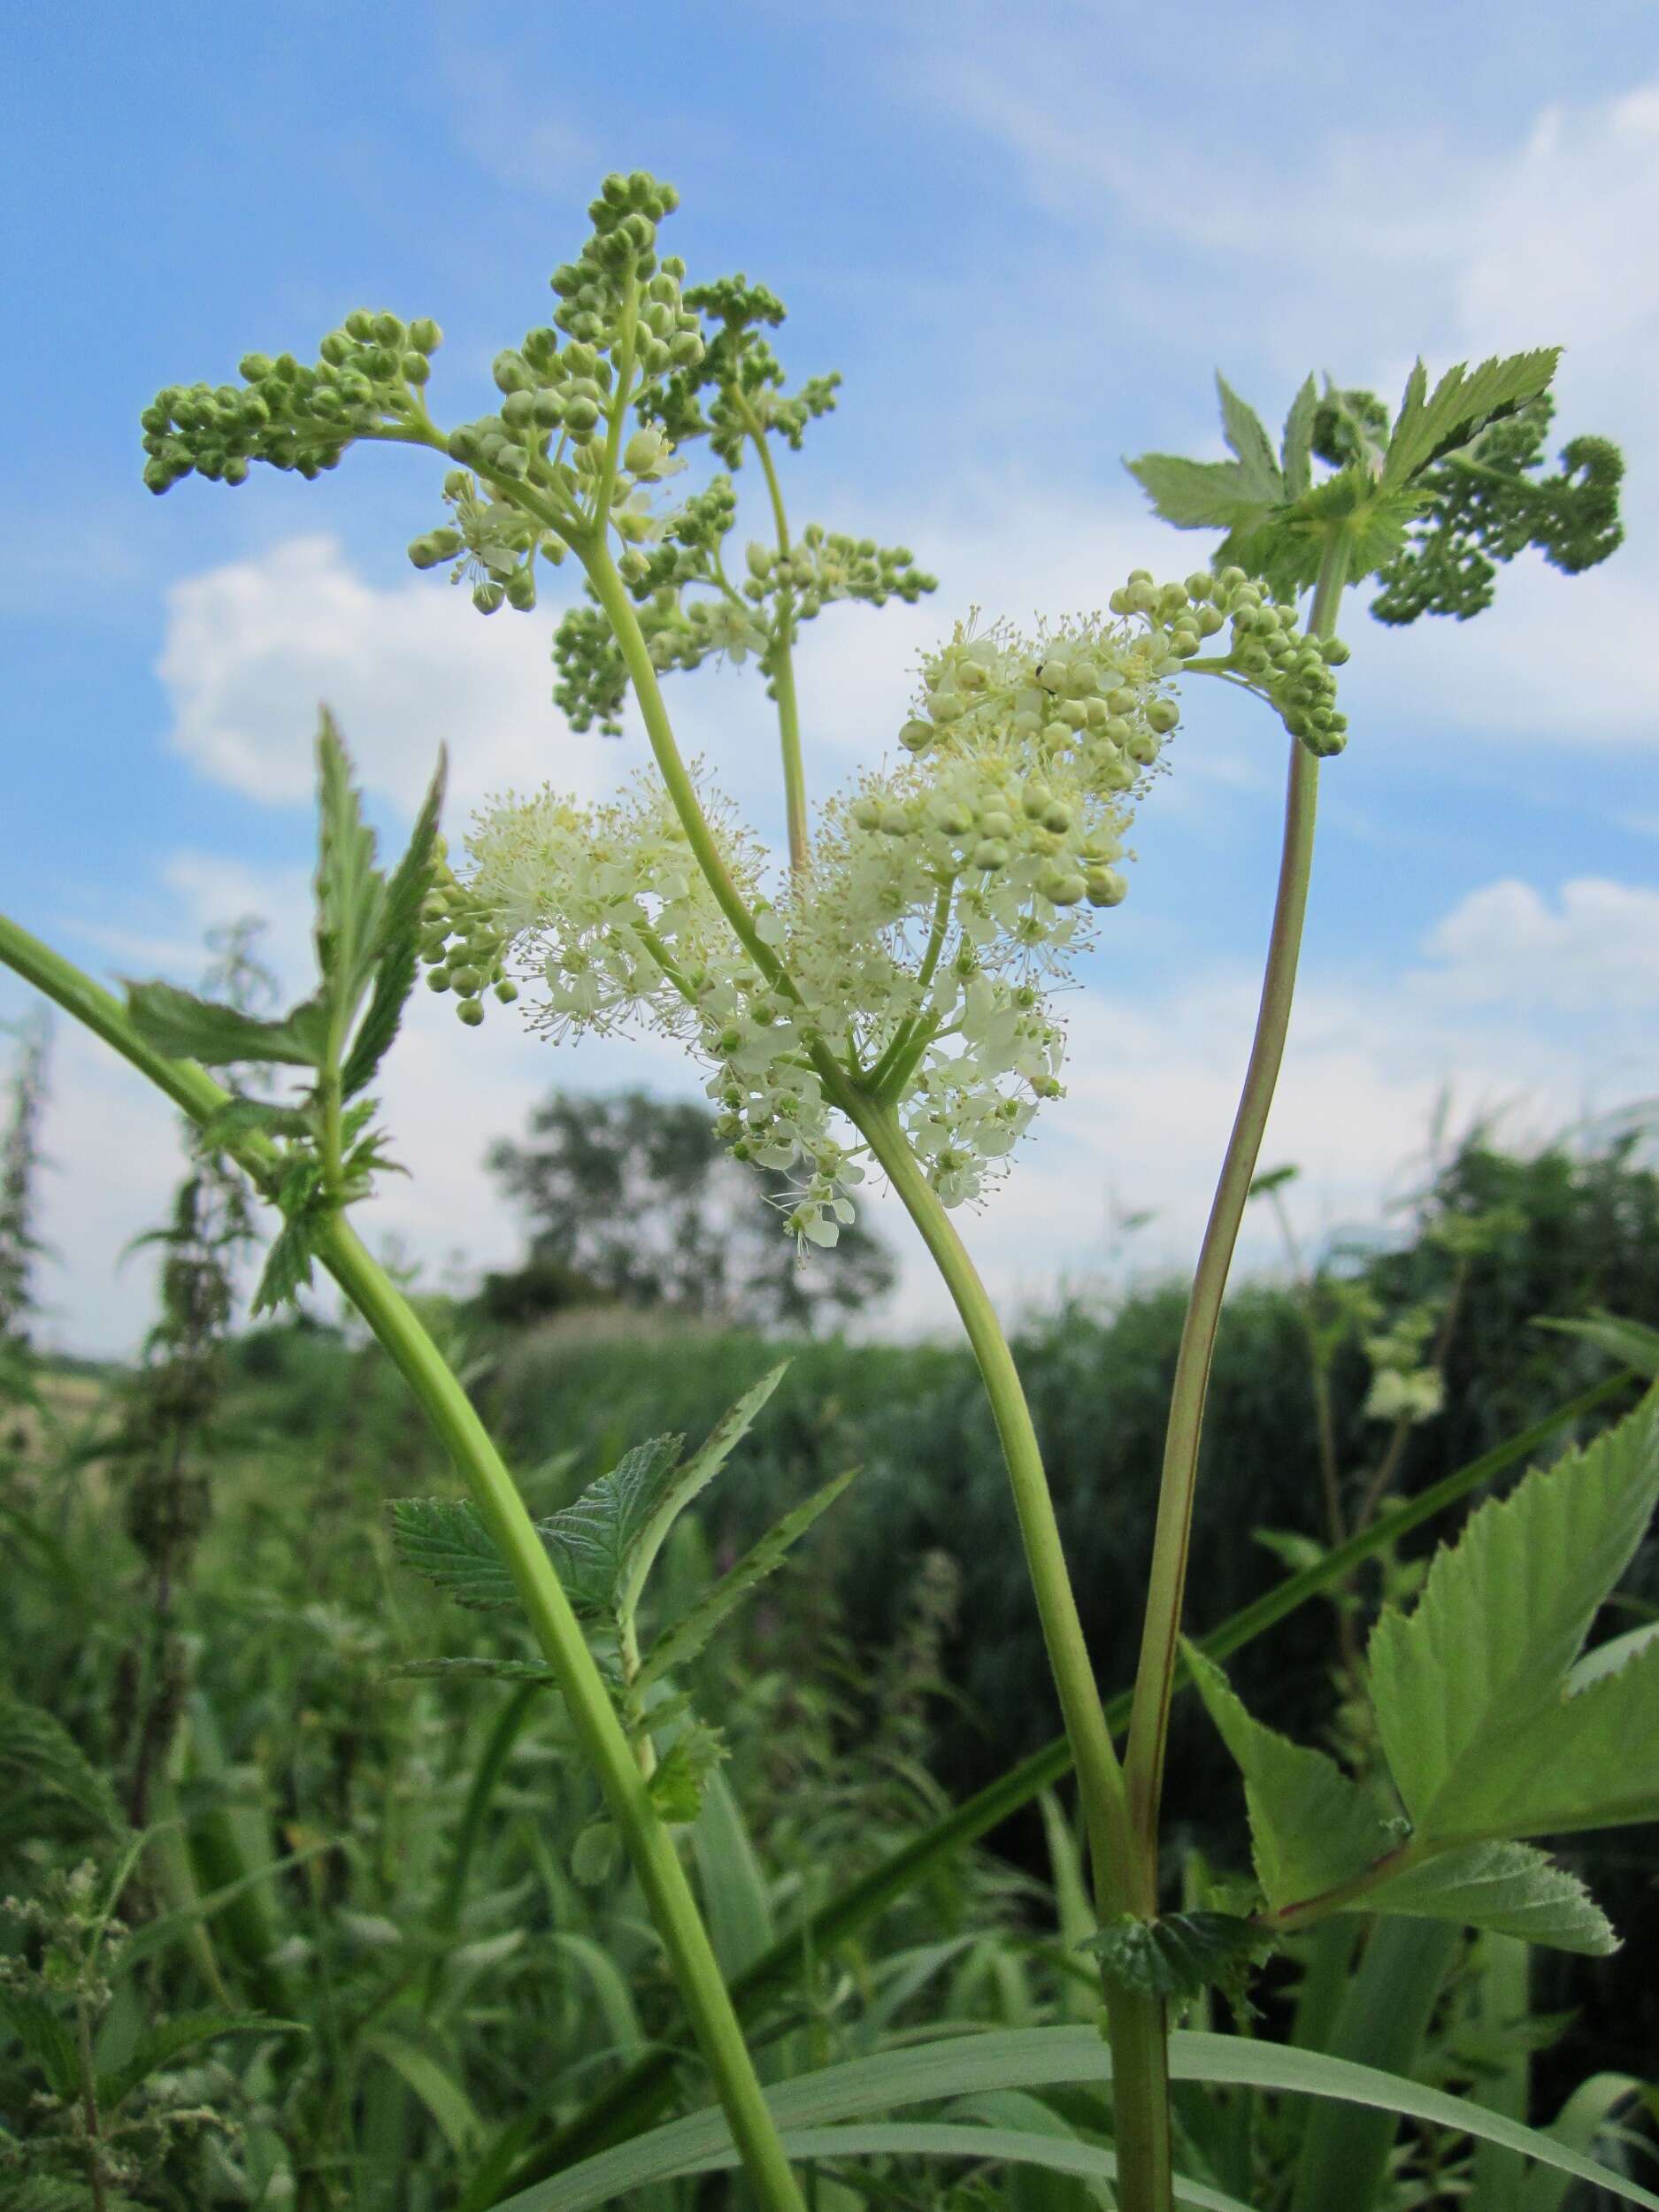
470 1012
867 813
466 980
438 979
1334 652
1063 887
994 823
423 553
896 822
425 335
1104 887
521 589
1162 714
580 417
990 854
1035 800
488 598
1143 747
1057 817
916 736
506 991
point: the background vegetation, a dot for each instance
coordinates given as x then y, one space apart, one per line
208 1633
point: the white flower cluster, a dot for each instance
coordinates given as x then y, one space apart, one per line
918 954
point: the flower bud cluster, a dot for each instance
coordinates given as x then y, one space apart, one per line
826 565
1265 647
621 311
744 375
462 945
291 415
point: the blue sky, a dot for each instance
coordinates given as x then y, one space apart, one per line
1027 237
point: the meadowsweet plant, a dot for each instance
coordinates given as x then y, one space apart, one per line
879 1003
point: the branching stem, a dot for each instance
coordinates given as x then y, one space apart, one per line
546 1609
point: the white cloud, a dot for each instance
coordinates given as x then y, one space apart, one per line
252 648
1597 947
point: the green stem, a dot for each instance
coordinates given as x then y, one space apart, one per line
1100 1777
612 595
1148 1727
782 669
1139 2032
546 1609
882 1079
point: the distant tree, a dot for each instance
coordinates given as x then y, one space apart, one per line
20 1179
634 1198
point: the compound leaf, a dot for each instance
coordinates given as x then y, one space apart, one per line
1311 1829
1469 1685
1461 403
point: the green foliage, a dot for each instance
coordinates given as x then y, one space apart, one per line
20 1201
604 1546
1180 1954
367 934
1488 1736
1312 1831
1502 1618
1429 505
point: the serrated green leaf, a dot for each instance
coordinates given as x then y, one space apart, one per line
1179 1956
350 893
1507 1887
242 1117
1197 494
677 1646
413 878
452 1669
1630 1343
47 2040
185 1028
159 2047
1245 433
649 1516
1311 1829
445 1540
587 1539
36 1744
1587 1761
288 1265
1469 1685
1612 1657
1461 403
397 947
604 1543
1296 453
682 1773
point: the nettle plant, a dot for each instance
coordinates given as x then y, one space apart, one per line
880 1003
